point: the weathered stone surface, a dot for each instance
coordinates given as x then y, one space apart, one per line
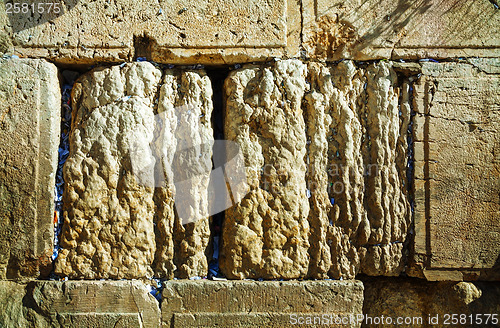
185 144
236 32
111 205
457 181
12 311
266 234
357 122
94 303
165 31
363 30
72 304
30 102
414 299
108 216
257 304
354 171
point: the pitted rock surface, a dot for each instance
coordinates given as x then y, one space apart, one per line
184 142
266 234
108 227
357 121
351 170
136 199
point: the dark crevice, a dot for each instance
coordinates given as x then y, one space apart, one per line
142 46
67 79
217 76
410 167
410 172
428 99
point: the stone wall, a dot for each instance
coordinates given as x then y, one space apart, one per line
297 144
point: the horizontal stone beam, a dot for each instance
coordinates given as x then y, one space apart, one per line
78 304
258 303
168 31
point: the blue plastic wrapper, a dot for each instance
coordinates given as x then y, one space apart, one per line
428 60
63 153
156 288
213 269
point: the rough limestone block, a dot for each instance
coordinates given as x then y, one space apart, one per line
12 311
374 29
75 304
257 304
267 234
419 300
30 102
108 215
457 183
136 196
185 147
348 177
357 122
165 31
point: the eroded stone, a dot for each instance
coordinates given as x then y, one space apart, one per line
108 227
185 143
30 102
419 300
351 170
266 234
357 121
129 168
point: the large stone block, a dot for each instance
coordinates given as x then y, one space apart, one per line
108 229
12 311
94 304
348 178
165 31
375 29
260 304
184 142
357 127
30 102
78 304
266 234
417 301
123 171
457 181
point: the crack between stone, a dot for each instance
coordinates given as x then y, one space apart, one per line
482 200
454 119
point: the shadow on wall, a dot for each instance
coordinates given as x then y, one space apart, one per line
23 15
392 22
395 20
487 302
